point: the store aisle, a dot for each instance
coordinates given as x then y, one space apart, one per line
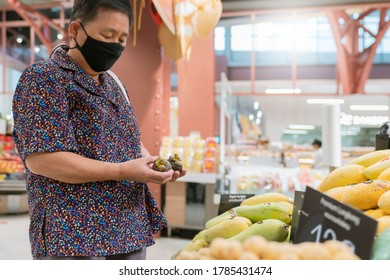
14 243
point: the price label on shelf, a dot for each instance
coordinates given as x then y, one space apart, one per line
229 201
323 218
298 201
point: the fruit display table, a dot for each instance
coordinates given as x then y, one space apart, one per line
184 214
13 197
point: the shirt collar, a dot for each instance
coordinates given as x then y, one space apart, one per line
61 57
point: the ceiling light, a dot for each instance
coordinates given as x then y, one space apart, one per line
259 114
60 36
349 133
19 40
258 121
256 105
302 126
251 117
306 160
37 49
293 131
325 101
283 91
369 107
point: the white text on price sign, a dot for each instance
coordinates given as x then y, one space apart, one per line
323 218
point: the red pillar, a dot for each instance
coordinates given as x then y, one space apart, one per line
196 89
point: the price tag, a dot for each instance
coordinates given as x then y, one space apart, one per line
298 201
229 201
323 218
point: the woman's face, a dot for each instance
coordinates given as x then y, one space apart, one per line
108 26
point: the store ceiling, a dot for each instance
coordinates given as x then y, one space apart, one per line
240 5
5 4
244 5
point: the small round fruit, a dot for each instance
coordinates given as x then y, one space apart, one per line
161 165
176 163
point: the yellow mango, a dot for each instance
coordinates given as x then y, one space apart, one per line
383 223
265 197
365 195
375 213
343 176
371 158
336 193
385 175
384 202
372 172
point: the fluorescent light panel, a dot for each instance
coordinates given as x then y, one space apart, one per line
283 91
302 126
325 101
369 107
293 131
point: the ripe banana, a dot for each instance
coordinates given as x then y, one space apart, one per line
343 176
268 210
228 215
372 172
224 229
384 202
271 229
265 197
365 195
371 158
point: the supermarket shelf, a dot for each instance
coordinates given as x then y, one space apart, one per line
12 187
201 178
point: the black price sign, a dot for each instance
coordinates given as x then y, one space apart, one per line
229 201
298 201
323 218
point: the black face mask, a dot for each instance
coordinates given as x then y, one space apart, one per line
100 56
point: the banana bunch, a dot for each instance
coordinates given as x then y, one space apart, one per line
363 183
267 215
259 248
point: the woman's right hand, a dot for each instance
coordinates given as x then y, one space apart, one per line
140 170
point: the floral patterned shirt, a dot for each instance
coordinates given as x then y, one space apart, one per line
59 107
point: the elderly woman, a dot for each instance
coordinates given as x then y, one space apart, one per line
78 137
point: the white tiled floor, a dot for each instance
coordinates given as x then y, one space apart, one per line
14 243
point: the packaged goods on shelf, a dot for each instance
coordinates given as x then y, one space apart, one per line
10 163
198 155
258 179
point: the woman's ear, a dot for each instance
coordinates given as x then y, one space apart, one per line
73 30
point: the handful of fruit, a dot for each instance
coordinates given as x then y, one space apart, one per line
163 165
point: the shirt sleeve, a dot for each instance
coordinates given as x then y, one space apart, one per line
41 113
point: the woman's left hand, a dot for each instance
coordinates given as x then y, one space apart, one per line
176 175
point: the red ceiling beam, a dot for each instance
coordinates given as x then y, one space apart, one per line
40 23
354 65
373 5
